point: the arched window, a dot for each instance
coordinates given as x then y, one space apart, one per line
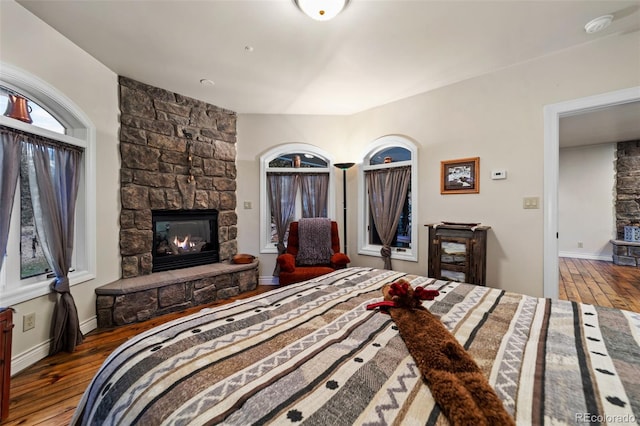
32 110
296 181
35 111
390 159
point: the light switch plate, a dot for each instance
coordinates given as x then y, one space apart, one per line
531 203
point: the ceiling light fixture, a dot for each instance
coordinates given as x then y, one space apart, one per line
206 82
321 10
598 24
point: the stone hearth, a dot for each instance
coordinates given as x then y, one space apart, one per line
626 253
131 300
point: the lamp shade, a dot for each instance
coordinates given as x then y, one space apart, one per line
344 166
321 10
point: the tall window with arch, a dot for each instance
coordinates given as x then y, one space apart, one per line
296 182
388 200
47 199
19 107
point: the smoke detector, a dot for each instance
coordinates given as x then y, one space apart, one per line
598 24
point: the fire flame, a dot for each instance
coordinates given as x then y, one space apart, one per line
184 244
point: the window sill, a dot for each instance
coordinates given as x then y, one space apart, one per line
407 254
40 288
271 249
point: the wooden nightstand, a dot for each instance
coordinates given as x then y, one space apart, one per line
457 252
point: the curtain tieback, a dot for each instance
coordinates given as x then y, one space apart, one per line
385 251
61 285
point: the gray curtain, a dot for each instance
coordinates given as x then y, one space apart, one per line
282 188
387 193
315 191
53 181
10 162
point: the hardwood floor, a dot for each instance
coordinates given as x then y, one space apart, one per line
48 392
600 283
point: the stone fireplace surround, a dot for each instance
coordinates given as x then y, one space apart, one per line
627 202
176 153
627 186
165 139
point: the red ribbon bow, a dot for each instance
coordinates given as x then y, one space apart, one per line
402 295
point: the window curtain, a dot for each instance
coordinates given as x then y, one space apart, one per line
53 180
10 162
282 188
387 193
315 191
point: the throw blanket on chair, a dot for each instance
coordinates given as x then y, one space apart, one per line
314 236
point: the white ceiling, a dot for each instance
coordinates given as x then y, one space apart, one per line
617 123
265 56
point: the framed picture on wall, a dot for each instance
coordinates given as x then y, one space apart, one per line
460 176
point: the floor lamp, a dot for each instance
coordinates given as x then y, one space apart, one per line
344 167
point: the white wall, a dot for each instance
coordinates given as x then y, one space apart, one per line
498 117
29 44
586 201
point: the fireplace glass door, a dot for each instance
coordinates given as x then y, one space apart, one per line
184 238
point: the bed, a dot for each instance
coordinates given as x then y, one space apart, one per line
311 353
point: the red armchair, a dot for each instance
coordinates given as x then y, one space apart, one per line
291 273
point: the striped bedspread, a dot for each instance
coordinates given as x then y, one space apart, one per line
310 353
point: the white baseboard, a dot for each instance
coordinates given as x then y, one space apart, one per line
588 256
89 325
41 351
268 280
30 357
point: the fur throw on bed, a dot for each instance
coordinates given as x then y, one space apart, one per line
455 380
314 246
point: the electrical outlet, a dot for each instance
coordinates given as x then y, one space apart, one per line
29 321
247 205
580 245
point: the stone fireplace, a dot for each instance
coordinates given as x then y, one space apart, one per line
177 154
627 202
627 186
178 224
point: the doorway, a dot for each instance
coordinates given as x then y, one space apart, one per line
552 115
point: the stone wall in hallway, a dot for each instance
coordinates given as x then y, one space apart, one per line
627 186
